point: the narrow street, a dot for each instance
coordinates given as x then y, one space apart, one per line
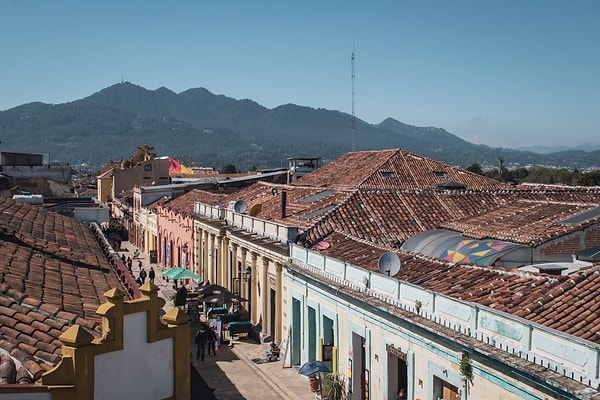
233 373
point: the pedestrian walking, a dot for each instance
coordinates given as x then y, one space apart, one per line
130 264
143 275
151 274
201 339
212 339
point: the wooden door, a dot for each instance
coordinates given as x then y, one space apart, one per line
449 392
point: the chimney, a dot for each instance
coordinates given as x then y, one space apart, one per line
283 203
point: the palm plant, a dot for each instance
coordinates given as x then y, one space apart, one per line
335 387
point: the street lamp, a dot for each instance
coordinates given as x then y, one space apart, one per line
247 274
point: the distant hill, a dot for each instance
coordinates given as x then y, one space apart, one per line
214 130
557 149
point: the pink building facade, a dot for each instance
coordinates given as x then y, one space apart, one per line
175 238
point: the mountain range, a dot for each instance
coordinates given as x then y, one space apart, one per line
201 128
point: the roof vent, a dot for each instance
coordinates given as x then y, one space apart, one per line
551 269
451 186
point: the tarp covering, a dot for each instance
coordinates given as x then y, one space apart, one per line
458 249
471 251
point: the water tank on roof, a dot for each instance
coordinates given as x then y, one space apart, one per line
29 198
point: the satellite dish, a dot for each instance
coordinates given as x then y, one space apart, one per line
389 263
255 209
240 206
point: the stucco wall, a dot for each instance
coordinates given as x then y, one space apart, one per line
153 360
431 361
126 179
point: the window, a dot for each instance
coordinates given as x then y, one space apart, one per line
148 167
386 174
317 212
317 196
440 174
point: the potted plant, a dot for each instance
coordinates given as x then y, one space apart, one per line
335 387
418 306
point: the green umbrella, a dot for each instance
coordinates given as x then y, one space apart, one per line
184 274
172 271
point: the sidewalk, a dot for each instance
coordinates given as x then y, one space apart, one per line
232 373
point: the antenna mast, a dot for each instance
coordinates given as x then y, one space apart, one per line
353 114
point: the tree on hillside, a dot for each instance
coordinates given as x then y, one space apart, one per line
229 169
550 176
589 179
475 168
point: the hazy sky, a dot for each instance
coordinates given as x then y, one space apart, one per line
505 73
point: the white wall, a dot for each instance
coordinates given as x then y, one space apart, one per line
143 370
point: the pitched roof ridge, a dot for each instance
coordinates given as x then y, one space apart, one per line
559 202
336 187
555 187
376 167
329 215
516 272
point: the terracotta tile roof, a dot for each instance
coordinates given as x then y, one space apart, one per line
396 168
388 217
53 274
530 222
366 203
379 196
158 202
304 205
566 303
185 202
374 220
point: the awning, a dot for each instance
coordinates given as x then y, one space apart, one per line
184 274
172 271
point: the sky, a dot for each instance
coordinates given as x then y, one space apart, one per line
510 73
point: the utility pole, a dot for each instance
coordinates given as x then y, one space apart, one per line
353 113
